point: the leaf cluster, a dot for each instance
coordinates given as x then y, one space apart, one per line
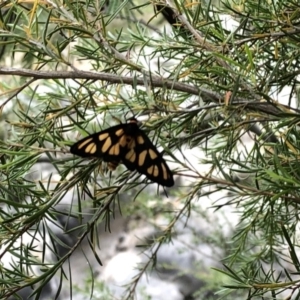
208 83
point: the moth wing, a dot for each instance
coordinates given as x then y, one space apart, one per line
107 144
142 155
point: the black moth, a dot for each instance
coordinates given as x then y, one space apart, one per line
127 144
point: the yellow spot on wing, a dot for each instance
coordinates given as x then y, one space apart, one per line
150 170
106 145
165 173
119 132
142 157
153 155
117 149
111 150
153 170
122 141
140 140
103 136
91 148
84 143
131 155
114 150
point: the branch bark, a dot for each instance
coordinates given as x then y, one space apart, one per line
271 107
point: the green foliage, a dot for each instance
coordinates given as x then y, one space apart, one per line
69 68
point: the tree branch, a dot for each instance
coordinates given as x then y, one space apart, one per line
271 107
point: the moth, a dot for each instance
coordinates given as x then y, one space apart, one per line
127 144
